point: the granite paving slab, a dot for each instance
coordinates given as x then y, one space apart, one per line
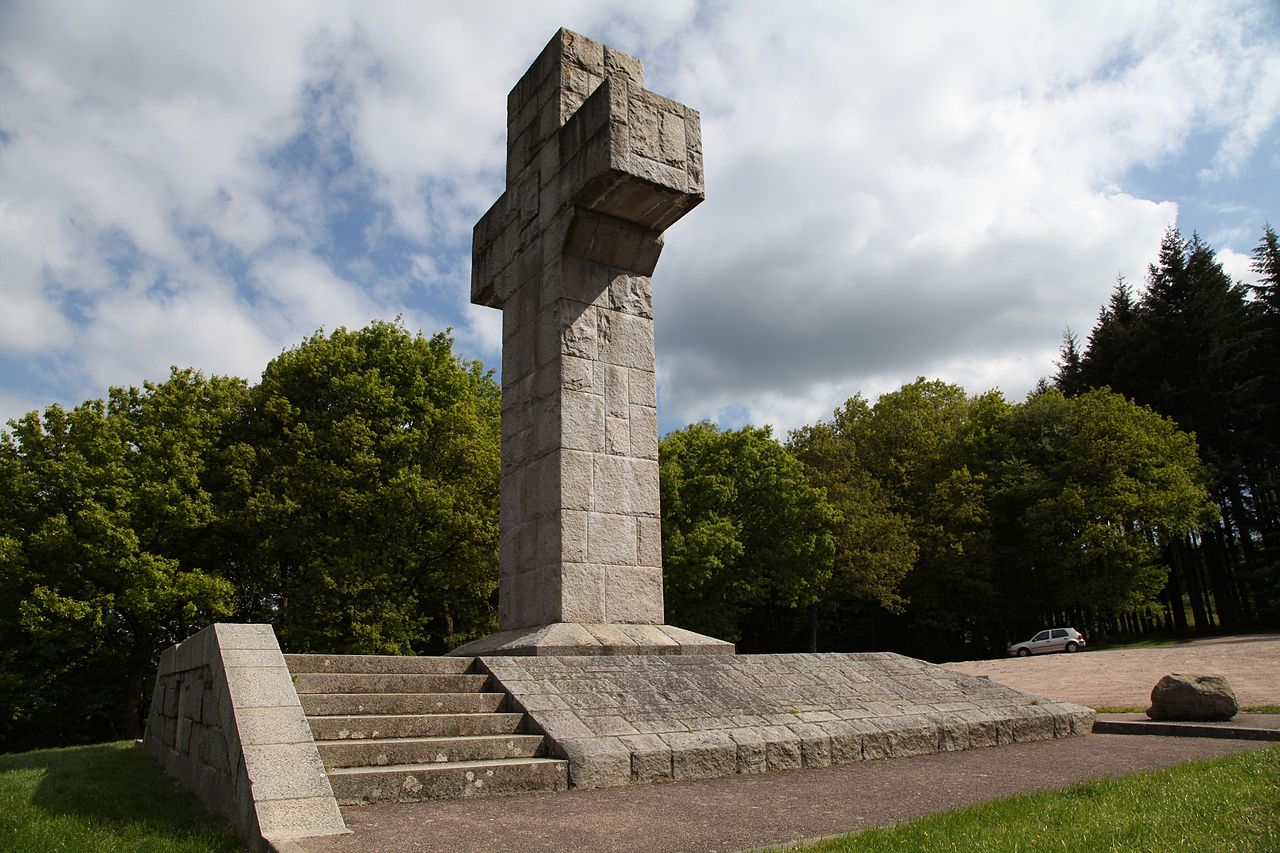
621 720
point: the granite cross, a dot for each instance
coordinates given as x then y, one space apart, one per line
597 168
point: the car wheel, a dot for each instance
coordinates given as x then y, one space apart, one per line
1071 647
1023 652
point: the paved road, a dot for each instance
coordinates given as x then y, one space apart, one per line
1250 663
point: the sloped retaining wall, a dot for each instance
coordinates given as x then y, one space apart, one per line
225 720
636 719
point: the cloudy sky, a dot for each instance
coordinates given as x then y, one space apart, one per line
893 189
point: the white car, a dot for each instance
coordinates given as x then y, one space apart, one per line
1049 640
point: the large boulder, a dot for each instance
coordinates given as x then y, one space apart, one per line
1192 697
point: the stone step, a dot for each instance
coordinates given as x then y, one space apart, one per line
426 750
447 780
414 725
367 682
384 664
350 704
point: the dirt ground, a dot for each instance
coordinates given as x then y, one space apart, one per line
1250 663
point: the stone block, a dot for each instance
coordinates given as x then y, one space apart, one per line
633 594
613 639
875 743
953 733
643 435
649 544
595 762
625 340
649 636
815 744
751 751
582 422
617 436
182 743
578 329
578 374
572 533
612 539
618 63
701 755
631 294
529 598
983 729
580 281
625 485
783 752
845 739
1082 720
611 241
673 147
285 771
168 660
912 736
172 689
260 726
617 391
1032 723
300 818
582 593
650 758
642 388
549 548
577 479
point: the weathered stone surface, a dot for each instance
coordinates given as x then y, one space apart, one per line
597 169
226 721
693 716
1192 697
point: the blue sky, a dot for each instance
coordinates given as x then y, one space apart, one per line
893 190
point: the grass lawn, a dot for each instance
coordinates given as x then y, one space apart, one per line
1134 709
107 797
1230 803
1149 643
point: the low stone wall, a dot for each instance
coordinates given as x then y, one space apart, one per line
225 720
637 719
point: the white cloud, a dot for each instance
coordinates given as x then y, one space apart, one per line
901 194
893 190
137 333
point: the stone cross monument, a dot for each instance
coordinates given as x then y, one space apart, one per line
597 168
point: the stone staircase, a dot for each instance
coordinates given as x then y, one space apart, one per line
403 729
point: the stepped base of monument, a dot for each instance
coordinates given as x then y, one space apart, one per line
576 638
631 719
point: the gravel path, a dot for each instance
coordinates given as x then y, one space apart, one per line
1124 678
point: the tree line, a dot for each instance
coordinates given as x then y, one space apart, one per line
350 498
1205 351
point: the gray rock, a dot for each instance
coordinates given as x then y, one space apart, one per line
1192 697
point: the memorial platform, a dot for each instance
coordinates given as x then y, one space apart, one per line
626 719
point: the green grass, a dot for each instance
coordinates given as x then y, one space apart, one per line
107 797
1230 803
1119 709
1149 643
1134 709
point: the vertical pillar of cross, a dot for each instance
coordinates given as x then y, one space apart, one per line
597 168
